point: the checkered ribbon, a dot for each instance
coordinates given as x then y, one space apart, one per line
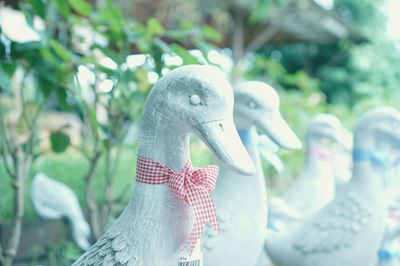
321 153
192 185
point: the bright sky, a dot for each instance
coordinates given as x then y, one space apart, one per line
392 9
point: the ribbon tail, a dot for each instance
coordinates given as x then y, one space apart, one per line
204 212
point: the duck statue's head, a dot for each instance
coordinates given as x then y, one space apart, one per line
325 129
257 104
198 99
379 129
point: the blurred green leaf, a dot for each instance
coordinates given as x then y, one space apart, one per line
5 79
113 10
25 46
81 7
45 86
61 51
63 8
93 119
62 99
154 27
211 34
143 46
179 34
59 141
109 53
185 55
38 7
47 55
162 45
28 13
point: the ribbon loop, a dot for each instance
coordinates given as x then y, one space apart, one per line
192 185
376 158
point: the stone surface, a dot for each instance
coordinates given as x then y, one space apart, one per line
349 230
155 225
54 200
241 200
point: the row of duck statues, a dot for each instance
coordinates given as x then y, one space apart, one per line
183 215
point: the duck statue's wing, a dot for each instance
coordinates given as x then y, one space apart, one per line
269 150
334 227
113 248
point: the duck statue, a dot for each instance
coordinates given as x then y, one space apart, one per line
171 203
241 201
315 186
348 231
53 200
389 252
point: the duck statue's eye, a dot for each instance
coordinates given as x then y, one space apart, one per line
252 105
195 99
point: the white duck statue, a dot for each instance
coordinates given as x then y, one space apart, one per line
389 252
54 200
315 186
241 201
348 231
171 202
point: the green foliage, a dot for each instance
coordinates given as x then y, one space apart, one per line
82 65
81 7
59 141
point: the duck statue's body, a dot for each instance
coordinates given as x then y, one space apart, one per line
54 200
348 231
241 201
315 186
156 224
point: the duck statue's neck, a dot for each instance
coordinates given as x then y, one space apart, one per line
318 159
248 136
153 213
370 165
160 141
254 185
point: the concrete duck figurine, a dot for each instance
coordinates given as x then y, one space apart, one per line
269 151
349 230
241 201
389 252
54 200
315 186
154 226
342 163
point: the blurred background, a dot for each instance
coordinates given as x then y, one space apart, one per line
74 76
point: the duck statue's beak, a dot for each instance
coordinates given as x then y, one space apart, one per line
223 139
275 127
344 138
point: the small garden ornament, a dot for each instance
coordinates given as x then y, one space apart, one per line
349 230
53 200
165 217
315 186
241 201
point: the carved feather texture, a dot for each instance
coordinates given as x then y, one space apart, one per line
335 227
112 249
210 237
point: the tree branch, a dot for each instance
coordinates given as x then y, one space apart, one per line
23 164
1 255
238 36
90 198
111 173
5 163
262 38
8 143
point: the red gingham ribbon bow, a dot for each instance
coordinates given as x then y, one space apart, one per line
192 185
